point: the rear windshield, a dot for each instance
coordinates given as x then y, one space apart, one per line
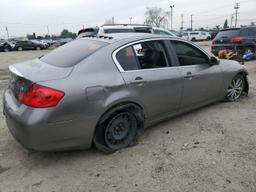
72 53
118 30
228 33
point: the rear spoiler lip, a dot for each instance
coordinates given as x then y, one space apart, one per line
15 71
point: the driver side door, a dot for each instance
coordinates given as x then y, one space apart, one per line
202 81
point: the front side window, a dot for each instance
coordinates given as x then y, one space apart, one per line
144 55
188 54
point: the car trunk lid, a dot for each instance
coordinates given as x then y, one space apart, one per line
37 70
23 75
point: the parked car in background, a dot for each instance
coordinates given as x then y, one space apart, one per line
48 42
44 45
240 40
213 33
28 45
196 35
106 89
6 46
123 28
63 41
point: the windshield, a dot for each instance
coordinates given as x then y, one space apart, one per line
72 53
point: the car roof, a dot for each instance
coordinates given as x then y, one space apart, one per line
114 37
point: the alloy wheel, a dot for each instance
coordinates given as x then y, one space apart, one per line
235 89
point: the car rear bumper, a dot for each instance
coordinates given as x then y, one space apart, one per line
232 47
30 128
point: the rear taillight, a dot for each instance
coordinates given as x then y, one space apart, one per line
236 40
39 96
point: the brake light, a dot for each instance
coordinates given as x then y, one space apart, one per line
236 40
39 96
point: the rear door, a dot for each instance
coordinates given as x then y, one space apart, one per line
150 77
202 81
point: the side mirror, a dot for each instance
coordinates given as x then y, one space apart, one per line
214 60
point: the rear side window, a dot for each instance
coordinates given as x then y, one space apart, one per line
144 55
252 32
127 59
72 53
194 33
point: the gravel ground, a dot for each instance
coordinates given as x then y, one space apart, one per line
207 150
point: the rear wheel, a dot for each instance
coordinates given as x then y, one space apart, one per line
119 130
20 48
235 88
193 39
6 49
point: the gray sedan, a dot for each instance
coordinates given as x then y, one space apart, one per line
105 90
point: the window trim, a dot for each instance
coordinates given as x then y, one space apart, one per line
118 65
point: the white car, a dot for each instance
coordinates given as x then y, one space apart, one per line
123 28
196 35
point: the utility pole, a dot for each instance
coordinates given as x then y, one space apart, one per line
171 6
182 22
191 22
7 32
236 7
113 20
48 32
130 18
231 21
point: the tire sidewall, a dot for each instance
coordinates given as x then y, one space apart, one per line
99 136
243 80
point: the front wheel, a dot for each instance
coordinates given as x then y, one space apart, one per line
6 49
235 89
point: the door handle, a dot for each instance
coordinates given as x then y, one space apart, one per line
138 80
189 75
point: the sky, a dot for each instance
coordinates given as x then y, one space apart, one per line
23 17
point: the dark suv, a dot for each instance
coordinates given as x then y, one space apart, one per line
240 40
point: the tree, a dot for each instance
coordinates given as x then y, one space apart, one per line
253 24
33 36
67 34
155 16
217 27
225 26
